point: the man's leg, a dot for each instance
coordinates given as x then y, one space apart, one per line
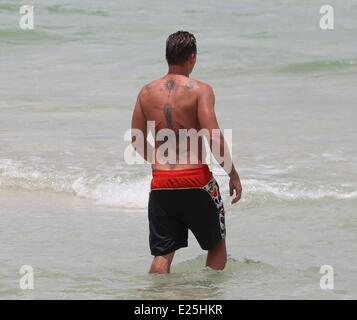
161 264
217 257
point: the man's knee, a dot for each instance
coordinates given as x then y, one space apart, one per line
217 256
217 263
220 265
159 269
161 264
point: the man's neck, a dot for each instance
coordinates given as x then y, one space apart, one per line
175 69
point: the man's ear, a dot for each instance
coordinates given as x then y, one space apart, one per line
193 58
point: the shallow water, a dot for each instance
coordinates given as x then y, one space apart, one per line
82 251
71 207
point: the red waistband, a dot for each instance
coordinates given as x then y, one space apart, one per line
178 179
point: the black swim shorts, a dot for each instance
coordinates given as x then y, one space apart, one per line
181 200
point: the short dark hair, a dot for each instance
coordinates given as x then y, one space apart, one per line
179 46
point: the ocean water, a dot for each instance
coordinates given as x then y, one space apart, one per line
75 211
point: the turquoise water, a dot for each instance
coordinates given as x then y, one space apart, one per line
285 87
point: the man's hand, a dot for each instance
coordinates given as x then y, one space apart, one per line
235 185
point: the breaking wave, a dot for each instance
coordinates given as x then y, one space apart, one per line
132 192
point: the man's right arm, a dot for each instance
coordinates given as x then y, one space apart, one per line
139 122
208 120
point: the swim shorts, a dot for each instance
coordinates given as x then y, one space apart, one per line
182 200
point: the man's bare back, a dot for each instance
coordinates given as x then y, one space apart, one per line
172 102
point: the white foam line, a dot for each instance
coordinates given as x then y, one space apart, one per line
134 193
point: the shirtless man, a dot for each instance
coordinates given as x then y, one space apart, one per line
183 196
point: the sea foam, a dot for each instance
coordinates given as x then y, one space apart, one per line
132 192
